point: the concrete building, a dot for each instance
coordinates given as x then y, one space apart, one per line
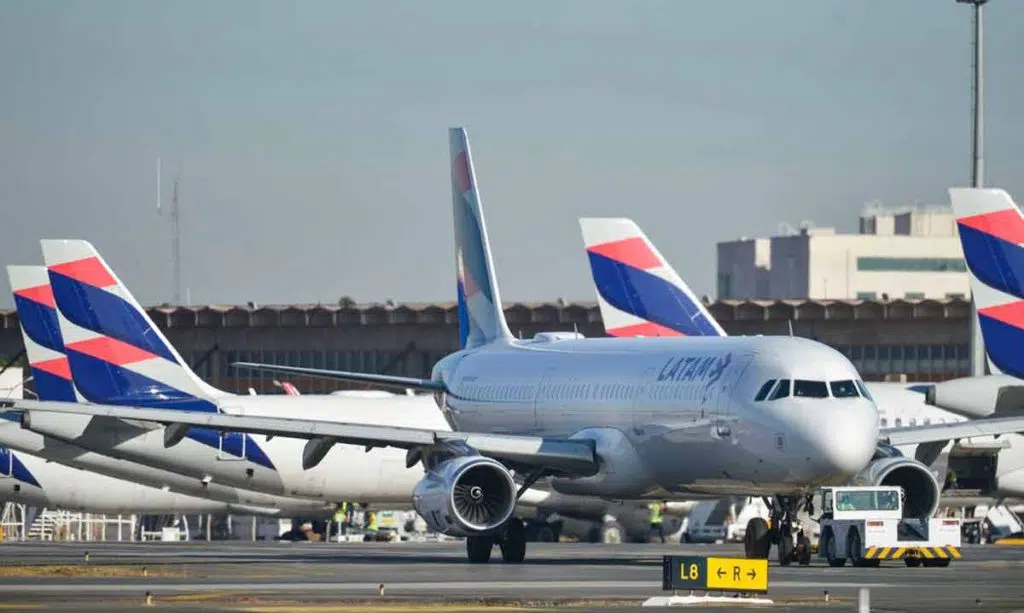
910 254
924 339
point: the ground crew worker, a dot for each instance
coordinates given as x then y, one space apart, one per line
951 479
657 508
371 522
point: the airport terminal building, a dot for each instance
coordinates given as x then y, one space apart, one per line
925 339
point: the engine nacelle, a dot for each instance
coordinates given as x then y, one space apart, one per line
920 488
466 496
622 472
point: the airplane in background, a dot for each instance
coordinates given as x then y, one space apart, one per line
991 232
640 294
48 363
623 418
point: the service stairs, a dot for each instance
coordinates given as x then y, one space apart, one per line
47 522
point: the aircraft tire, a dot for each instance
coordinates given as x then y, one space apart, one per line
757 541
803 550
785 549
513 545
546 534
478 549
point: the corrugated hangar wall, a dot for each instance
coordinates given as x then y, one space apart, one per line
926 340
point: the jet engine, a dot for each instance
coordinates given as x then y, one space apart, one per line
466 496
920 488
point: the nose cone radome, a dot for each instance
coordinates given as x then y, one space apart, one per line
844 441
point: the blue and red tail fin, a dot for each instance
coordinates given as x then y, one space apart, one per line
474 267
638 292
40 330
991 229
116 354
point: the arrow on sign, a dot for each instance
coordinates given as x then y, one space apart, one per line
721 571
752 573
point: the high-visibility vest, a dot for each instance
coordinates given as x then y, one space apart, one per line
655 508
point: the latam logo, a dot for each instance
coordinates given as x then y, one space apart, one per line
703 369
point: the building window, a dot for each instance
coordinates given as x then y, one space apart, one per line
724 285
867 295
956 295
878 264
914 295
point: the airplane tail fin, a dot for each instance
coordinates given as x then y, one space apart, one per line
116 353
44 345
638 292
474 267
991 229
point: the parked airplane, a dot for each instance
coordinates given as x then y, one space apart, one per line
220 478
623 418
641 294
45 353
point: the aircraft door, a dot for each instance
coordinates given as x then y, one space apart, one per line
644 399
730 378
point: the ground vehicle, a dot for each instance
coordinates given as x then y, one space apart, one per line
866 525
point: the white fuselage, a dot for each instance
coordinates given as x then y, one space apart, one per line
79 460
681 410
31 480
678 413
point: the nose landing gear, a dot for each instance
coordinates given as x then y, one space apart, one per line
784 531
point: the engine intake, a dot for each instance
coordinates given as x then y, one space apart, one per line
466 496
920 488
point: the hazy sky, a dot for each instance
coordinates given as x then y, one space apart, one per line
310 137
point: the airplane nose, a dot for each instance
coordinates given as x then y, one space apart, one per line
847 440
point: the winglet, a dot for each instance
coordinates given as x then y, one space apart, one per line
991 230
638 292
474 265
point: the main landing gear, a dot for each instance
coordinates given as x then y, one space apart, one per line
784 531
511 539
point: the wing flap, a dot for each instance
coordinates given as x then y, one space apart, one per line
566 456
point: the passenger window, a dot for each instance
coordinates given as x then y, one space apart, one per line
844 389
885 422
781 391
767 387
810 389
899 422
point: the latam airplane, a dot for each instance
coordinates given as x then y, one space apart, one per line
640 294
622 418
45 352
34 481
991 231
129 452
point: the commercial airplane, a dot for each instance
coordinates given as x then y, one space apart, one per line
138 455
640 294
45 352
622 418
991 232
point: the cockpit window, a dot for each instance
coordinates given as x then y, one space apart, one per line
864 390
844 389
781 391
767 387
810 389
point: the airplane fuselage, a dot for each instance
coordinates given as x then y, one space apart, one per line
683 408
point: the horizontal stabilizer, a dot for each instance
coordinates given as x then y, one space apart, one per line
389 381
567 457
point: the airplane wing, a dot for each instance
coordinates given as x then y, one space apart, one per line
402 383
571 457
911 435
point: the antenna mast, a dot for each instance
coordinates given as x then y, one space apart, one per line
176 243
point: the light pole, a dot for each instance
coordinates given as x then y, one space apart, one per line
977 345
